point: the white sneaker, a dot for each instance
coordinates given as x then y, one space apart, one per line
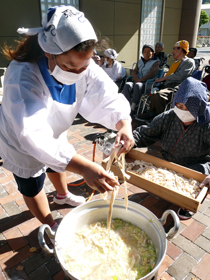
70 199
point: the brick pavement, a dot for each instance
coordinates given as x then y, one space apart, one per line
188 254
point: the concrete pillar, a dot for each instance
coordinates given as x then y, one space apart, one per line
190 21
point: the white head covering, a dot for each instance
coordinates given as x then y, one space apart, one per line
111 53
64 27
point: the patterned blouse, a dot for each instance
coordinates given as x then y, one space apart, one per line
181 145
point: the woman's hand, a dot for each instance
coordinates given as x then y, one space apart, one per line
99 179
124 134
94 175
206 182
138 81
159 80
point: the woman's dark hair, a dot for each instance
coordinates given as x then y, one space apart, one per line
28 49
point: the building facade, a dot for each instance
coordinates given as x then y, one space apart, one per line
204 30
127 24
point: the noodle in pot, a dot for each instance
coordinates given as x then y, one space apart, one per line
126 254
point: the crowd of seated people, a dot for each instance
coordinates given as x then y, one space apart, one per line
182 68
146 68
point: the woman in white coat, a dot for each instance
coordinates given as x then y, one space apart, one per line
112 67
50 80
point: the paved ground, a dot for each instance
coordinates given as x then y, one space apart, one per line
188 255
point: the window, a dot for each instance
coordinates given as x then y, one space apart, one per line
45 4
150 22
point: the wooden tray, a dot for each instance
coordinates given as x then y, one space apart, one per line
175 197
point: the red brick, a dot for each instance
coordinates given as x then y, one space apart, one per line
10 187
149 201
122 191
7 179
187 222
5 251
79 137
165 264
15 239
173 251
87 147
135 189
64 212
2 175
1 210
193 230
15 258
58 276
202 269
29 226
2 277
10 197
7 172
19 219
72 141
81 150
165 276
20 201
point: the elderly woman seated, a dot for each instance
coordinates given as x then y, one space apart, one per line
182 68
146 68
184 131
160 54
112 67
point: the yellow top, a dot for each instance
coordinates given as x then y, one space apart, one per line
173 68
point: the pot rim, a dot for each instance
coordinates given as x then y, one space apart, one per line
118 202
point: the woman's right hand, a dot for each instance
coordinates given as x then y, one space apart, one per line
99 179
206 182
95 176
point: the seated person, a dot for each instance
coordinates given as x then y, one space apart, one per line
192 54
160 54
146 68
112 67
182 68
184 131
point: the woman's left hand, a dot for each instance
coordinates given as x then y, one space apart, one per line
124 134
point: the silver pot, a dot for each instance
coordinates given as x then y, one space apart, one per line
97 210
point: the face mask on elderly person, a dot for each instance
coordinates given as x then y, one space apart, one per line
183 115
193 94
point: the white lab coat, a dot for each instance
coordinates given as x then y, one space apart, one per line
33 126
116 71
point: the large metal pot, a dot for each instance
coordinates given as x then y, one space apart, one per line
97 210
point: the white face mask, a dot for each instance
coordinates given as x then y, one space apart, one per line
184 116
64 77
105 61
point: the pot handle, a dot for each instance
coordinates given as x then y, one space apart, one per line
174 229
42 242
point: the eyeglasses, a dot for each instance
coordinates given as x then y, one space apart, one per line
174 48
